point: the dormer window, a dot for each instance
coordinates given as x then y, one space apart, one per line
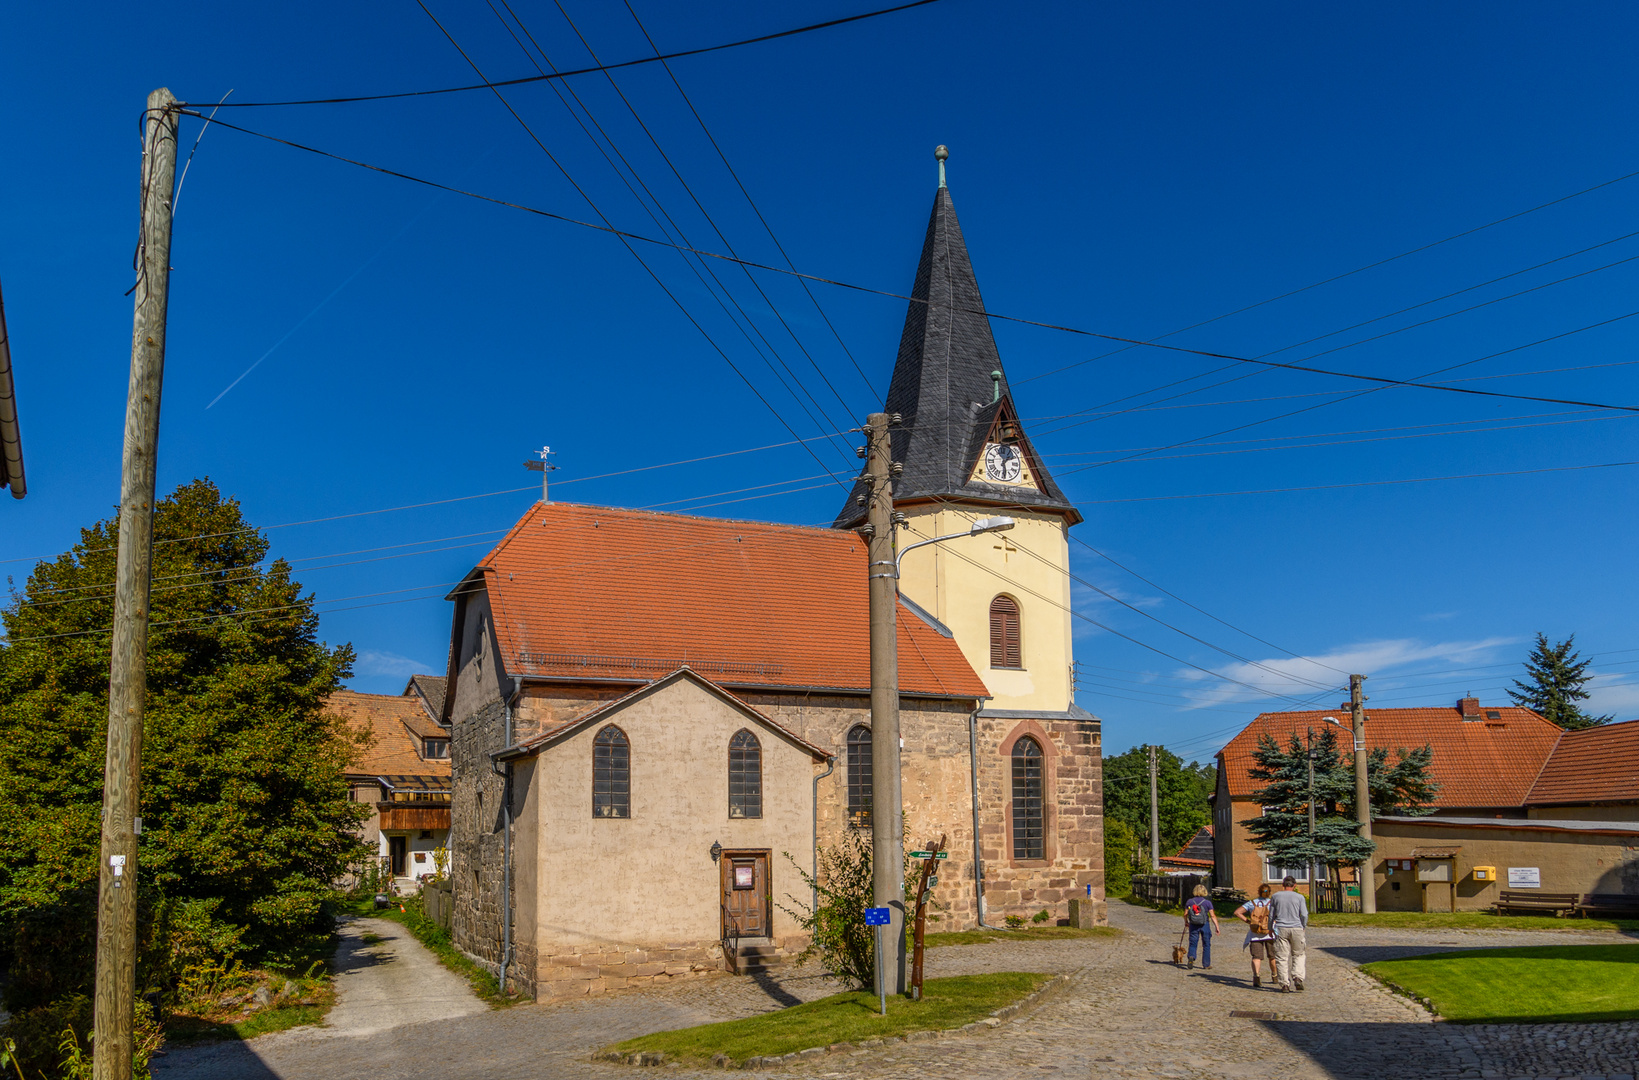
435 748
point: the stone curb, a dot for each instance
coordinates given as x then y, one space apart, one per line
1052 988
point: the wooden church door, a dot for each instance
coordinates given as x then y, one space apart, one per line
746 894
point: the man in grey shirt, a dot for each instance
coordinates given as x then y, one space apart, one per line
1289 918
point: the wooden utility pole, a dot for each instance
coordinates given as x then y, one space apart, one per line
1362 792
1155 818
887 806
127 682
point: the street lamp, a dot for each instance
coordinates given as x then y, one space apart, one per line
983 525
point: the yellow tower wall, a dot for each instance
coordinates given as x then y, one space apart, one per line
956 581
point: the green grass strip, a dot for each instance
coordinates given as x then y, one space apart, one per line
1550 984
850 1017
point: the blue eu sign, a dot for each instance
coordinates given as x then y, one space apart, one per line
876 916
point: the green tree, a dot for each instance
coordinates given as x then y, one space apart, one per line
1182 793
1124 855
246 814
1282 830
1557 676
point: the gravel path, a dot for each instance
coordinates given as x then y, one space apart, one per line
1127 1013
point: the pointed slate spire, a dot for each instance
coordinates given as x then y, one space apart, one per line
949 387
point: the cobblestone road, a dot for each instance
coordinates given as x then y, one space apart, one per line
1126 1014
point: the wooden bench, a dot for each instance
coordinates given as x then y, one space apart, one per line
1522 902
1614 904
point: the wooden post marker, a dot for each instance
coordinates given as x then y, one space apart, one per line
127 677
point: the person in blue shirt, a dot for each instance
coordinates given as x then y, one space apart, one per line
1202 920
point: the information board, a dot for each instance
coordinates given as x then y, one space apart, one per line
876 916
1524 877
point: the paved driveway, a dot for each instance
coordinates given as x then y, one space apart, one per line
1127 1013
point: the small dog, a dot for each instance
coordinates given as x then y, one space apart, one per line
1180 955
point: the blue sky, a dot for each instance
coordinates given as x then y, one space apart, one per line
1128 170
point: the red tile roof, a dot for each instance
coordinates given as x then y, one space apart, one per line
1477 762
1593 765
1198 851
389 720
590 592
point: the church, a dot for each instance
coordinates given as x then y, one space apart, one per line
659 720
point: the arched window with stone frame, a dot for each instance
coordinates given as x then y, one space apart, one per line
1029 800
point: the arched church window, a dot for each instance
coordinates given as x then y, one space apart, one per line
745 776
1005 651
1029 817
859 776
611 774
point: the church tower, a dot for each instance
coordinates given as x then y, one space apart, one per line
965 456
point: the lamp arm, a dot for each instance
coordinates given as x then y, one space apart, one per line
924 543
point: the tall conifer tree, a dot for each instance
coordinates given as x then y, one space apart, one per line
1557 679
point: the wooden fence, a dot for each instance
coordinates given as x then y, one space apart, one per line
1334 896
1167 890
438 901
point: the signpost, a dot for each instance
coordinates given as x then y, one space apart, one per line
930 866
878 917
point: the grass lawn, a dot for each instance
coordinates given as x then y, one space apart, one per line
850 1017
1467 920
406 911
1034 933
1542 984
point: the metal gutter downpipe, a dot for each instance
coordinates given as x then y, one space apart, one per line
505 773
830 767
978 855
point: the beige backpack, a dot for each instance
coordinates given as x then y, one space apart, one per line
1258 918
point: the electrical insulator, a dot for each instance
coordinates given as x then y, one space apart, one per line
860 451
867 530
860 500
895 420
900 519
896 469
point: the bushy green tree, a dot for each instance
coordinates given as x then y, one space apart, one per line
1557 677
245 810
1182 793
1282 830
1124 855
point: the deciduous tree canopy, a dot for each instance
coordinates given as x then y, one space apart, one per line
1182 793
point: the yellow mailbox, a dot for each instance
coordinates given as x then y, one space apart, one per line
1485 873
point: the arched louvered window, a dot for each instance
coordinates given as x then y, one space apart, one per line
1004 633
745 776
611 774
1029 818
859 777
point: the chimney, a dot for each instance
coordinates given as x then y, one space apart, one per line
1470 707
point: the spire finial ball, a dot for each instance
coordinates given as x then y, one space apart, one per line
941 153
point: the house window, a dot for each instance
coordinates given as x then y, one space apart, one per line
859 777
1029 819
745 776
611 774
435 748
1275 872
1004 633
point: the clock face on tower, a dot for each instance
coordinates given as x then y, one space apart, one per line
1003 463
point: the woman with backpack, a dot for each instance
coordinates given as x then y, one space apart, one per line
1201 920
1260 935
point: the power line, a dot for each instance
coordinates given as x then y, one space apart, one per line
1364 483
662 226
584 71
1356 270
752 202
629 236
610 227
